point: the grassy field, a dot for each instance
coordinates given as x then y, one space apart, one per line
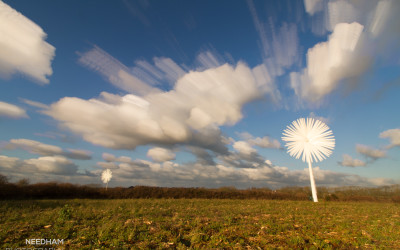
198 223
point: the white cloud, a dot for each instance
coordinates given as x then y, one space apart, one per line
36 147
12 111
393 135
161 154
259 28
8 162
53 165
362 32
190 113
244 148
114 71
313 6
279 46
108 157
112 158
342 12
140 79
265 142
348 161
224 174
370 13
253 172
58 165
330 62
207 60
370 152
78 154
172 71
34 104
23 48
109 165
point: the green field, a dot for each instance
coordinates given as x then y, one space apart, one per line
200 223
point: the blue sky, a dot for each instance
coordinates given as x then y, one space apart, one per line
190 93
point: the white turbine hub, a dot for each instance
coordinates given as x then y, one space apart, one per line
311 139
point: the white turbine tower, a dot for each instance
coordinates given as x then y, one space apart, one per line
311 139
106 176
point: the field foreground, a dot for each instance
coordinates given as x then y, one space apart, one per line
200 223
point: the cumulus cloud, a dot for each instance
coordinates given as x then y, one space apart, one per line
107 165
112 158
370 152
24 49
36 147
362 32
161 154
8 162
77 154
253 171
12 111
53 165
57 165
202 155
188 114
168 173
393 135
244 148
330 62
264 142
348 161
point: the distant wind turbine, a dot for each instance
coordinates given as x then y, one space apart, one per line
311 139
106 176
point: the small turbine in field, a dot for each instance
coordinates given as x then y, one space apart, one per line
310 139
106 176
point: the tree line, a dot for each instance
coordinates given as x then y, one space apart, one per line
54 190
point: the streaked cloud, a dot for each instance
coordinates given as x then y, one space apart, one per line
265 48
188 114
279 45
23 46
328 63
140 79
138 10
11 110
313 6
114 71
348 161
36 147
361 33
34 103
